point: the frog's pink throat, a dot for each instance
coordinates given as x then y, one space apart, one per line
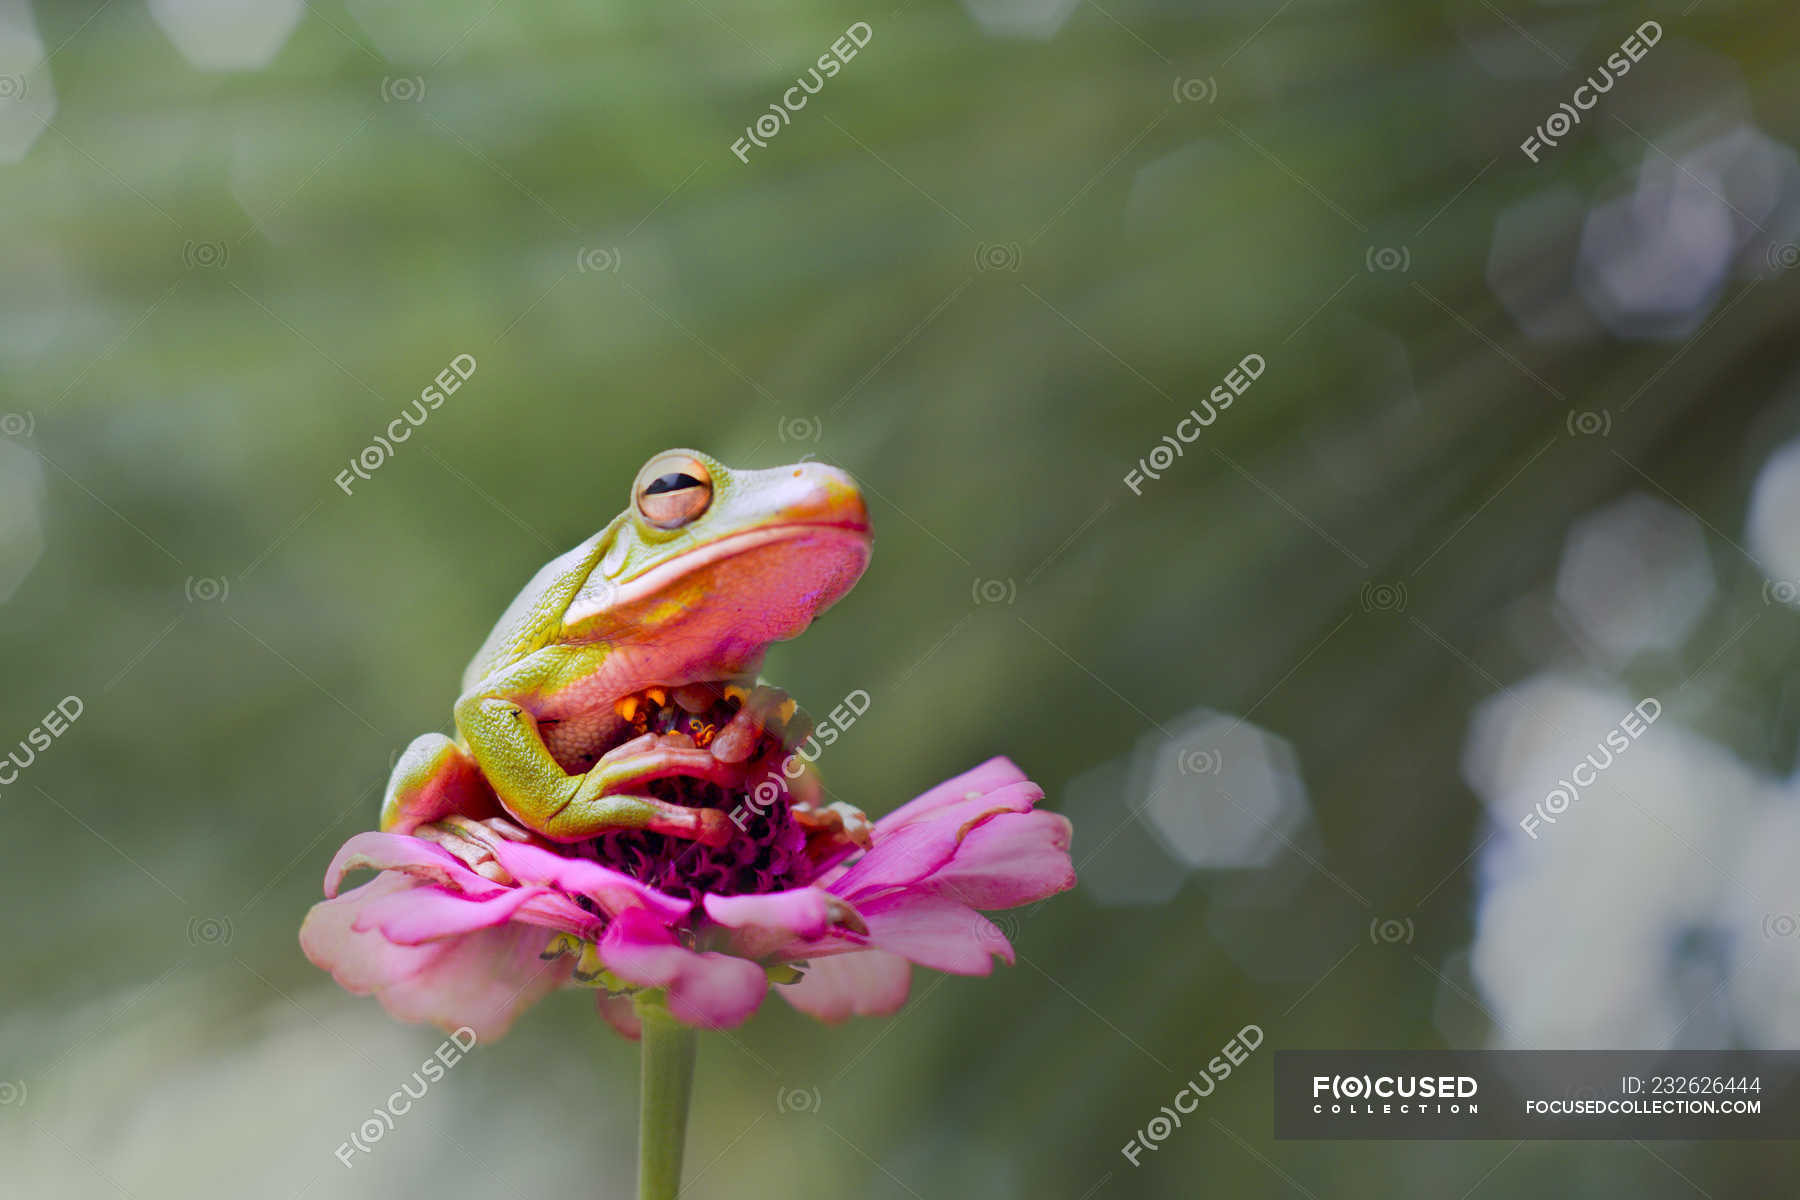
769 583
849 530
708 617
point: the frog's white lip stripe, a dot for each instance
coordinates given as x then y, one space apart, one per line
654 579
725 547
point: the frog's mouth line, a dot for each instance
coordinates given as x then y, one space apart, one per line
854 551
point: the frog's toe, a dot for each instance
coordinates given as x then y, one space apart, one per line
708 826
762 709
657 756
837 823
737 741
473 842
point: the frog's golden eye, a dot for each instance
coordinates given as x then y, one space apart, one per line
678 489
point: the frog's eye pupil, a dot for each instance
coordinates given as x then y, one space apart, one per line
674 489
673 482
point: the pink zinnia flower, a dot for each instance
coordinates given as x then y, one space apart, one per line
472 919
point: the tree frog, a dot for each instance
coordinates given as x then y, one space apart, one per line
689 586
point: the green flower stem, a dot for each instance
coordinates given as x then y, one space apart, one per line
668 1084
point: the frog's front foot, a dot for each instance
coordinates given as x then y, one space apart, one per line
473 842
837 822
708 826
761 708
611 795
659 756
587 815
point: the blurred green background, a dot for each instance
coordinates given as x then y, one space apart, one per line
986 268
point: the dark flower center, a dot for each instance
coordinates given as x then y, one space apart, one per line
766 854
767 850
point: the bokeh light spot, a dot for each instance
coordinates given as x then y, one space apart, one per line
1222 793
21 515
27 99
1530 265
1038 19
1635 576
1121 862
1775 523
227 35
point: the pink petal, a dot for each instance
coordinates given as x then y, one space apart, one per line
612 891
361 961
424 914
803 912
482 980
872 983
621 1014
712 990
990 776
935 932
840 941
401 852
553 910
1016 858
911 852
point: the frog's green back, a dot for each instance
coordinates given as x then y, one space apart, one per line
535 614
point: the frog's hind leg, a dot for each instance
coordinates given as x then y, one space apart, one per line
435 778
